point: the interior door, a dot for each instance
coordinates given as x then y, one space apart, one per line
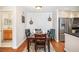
5 24
7 31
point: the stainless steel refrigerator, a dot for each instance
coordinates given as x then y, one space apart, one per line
65 26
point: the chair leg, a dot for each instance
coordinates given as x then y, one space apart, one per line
51 39
35 48
44 48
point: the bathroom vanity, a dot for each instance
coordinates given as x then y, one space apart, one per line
7 34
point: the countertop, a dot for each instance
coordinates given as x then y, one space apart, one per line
74 34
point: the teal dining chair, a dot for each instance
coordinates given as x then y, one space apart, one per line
52 33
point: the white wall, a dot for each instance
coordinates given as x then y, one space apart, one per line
20 27
55 24
14 28
40 20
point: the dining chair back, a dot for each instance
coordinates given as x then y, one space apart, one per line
40 41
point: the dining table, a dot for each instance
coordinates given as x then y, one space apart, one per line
32 38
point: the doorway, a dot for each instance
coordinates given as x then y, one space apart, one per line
5 29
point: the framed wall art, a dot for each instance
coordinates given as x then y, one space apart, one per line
23 19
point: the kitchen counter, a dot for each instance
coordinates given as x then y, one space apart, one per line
71 42
74 34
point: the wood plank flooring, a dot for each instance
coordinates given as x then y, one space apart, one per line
19 49
58 46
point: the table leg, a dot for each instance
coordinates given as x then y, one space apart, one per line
48 45
28 45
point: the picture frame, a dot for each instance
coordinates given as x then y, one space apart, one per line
7 21
23 19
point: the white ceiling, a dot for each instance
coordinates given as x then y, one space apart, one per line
51 8
47 8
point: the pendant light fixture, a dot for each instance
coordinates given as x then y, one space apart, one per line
49 19
31 22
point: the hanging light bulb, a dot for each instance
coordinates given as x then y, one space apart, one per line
49 19
31 22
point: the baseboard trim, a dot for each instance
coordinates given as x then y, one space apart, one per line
20 43
19 49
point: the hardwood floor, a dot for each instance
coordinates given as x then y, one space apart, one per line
58 46
19 49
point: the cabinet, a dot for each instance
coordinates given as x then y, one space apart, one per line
65 14
68 14
71 43
7 34
75 14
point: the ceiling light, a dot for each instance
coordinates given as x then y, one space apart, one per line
38 7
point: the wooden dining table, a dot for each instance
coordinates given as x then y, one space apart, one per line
32 38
